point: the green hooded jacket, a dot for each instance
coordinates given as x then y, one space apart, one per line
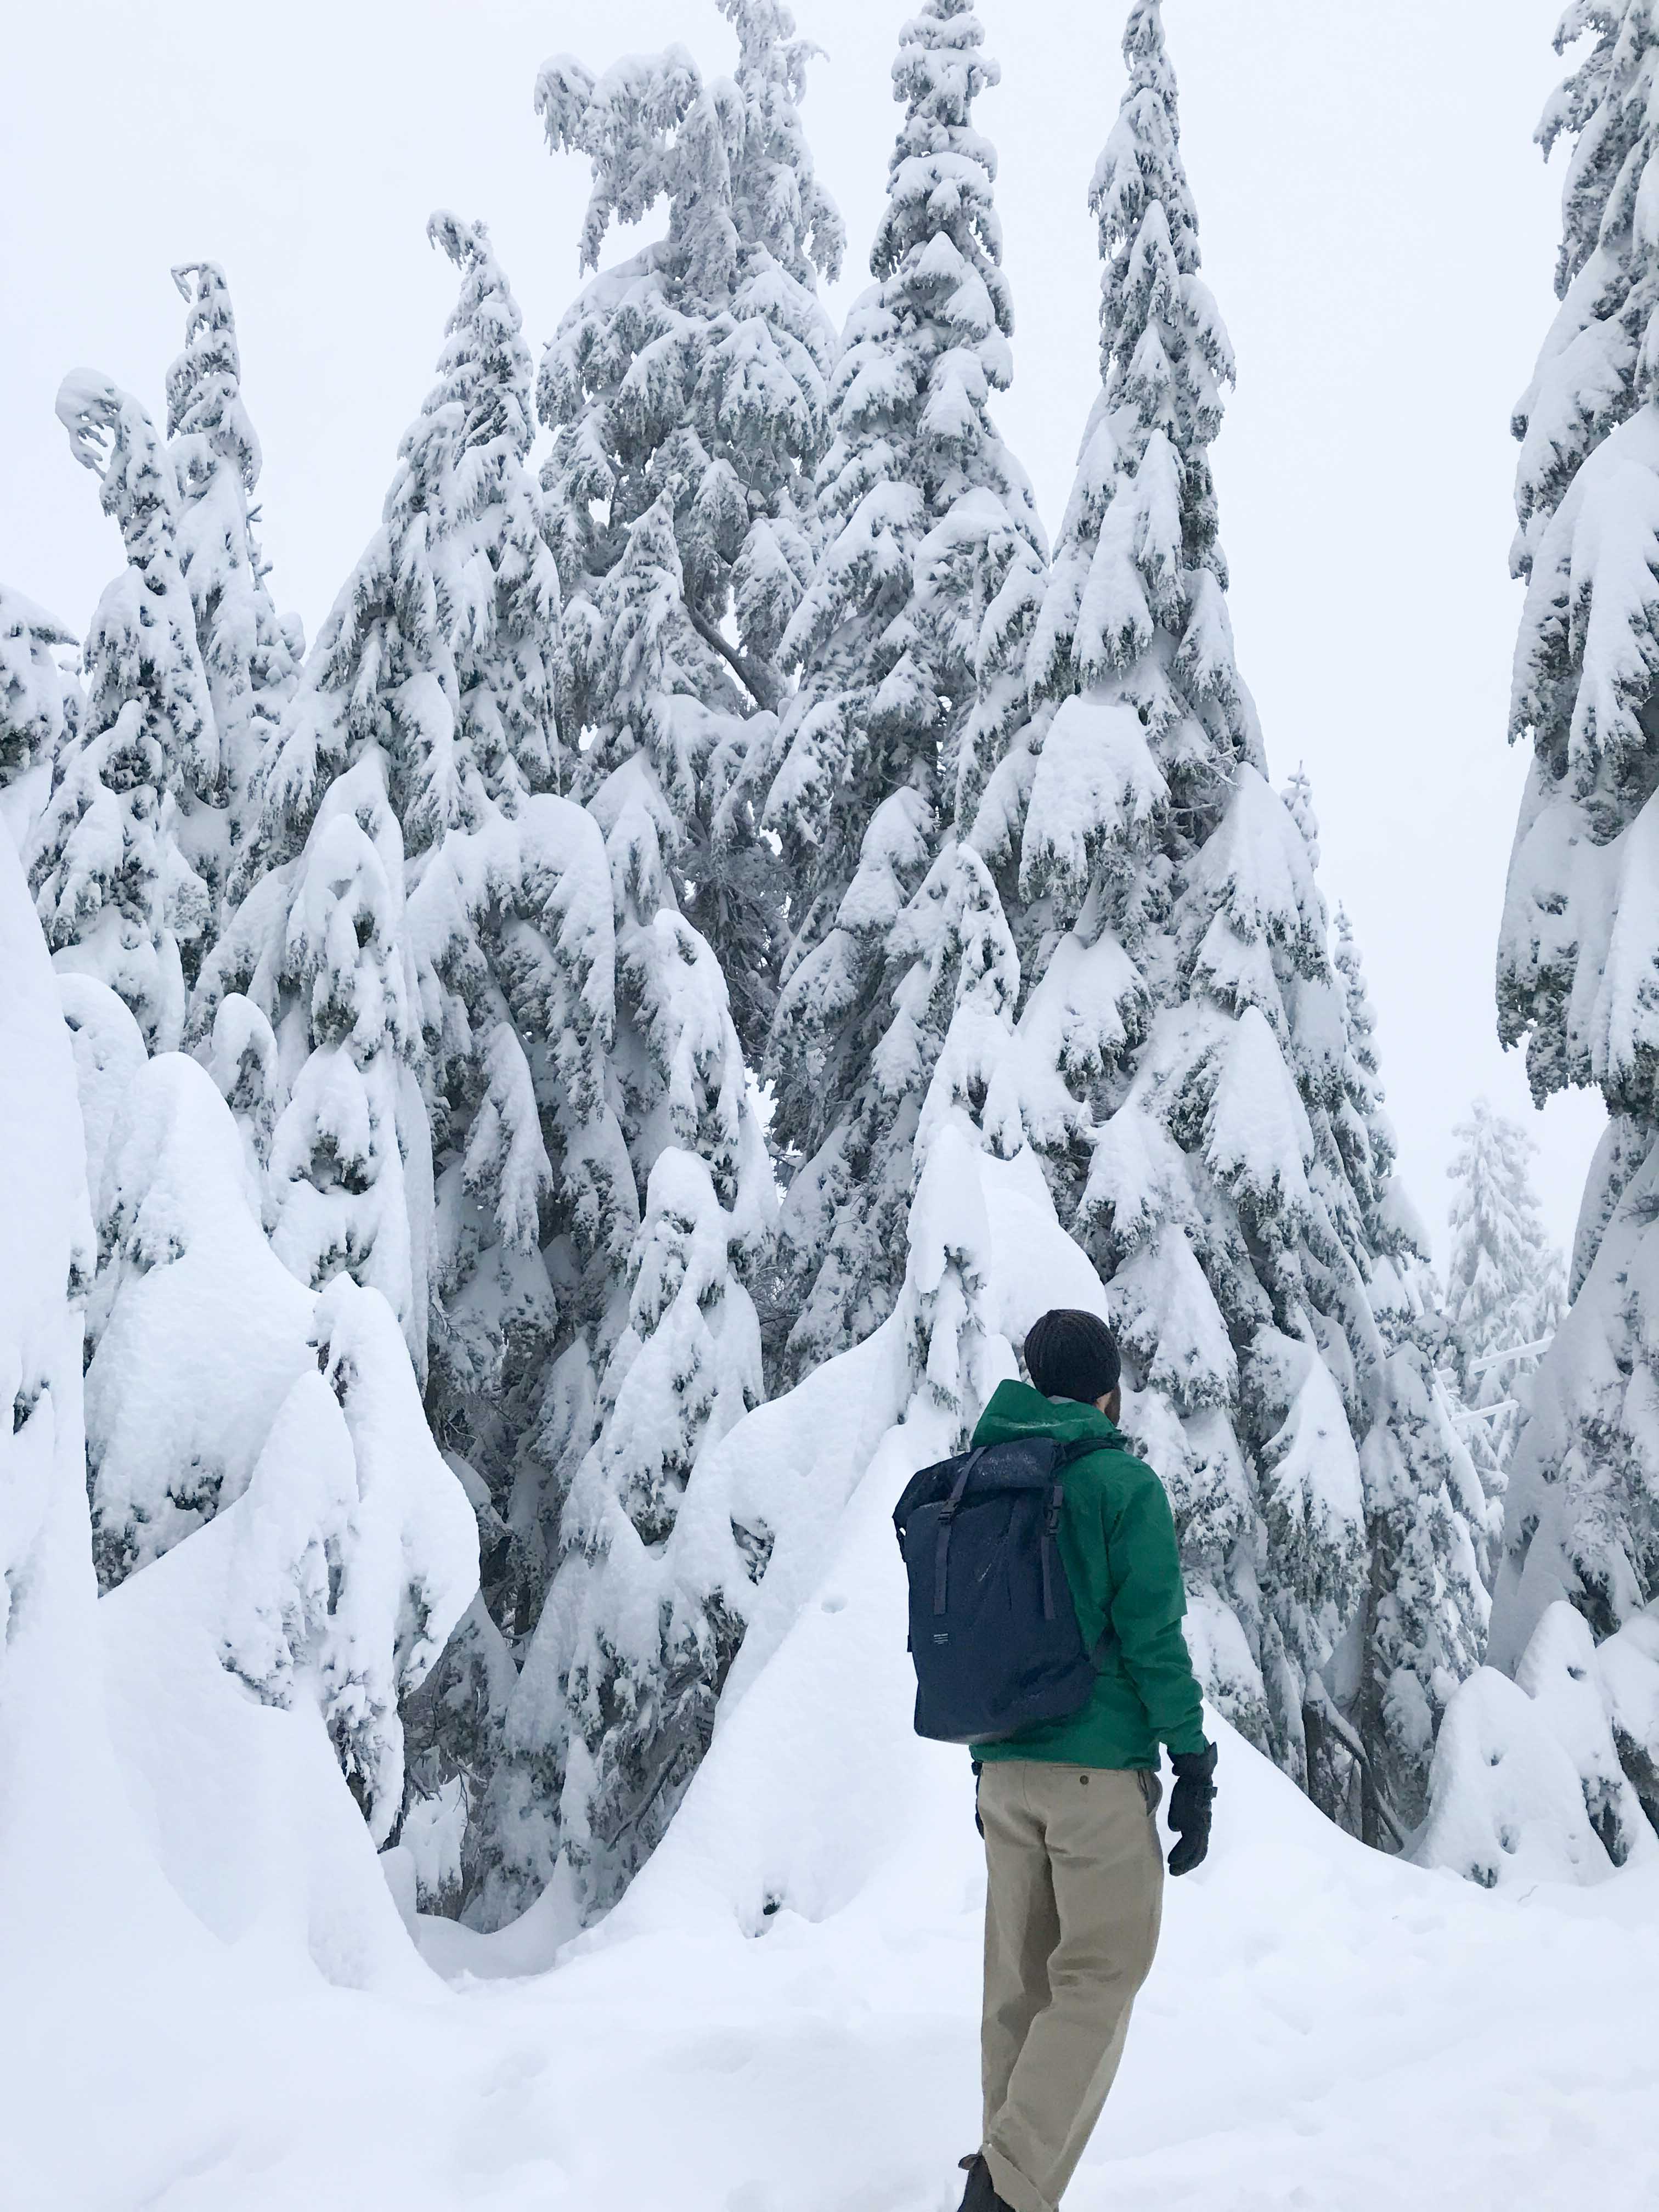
1117 1539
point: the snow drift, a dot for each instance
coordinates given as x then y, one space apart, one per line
169 1757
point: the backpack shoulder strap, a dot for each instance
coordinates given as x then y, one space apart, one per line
932 1484
947 1514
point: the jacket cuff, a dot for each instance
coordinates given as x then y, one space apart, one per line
1198 1764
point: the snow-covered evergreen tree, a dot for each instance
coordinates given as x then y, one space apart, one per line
510 909
1133 640
512 932
250 655
1181 931
1578 946
220 1391
906 636
52 1253
308 1009
1198 1079
638 670
1363 1131
126 858
695 372
510 920
537 1211
381 679
40 707
661 1576
1506 1284
497 581
1422 1629
616 1702
434 950
1573 1606
425 709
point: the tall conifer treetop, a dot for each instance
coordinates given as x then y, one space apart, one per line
1199 1082
923 352
776 196
125 858
426 701
498 584
250 656
941 69
1153 298
483 368
1152 746
908 636
435 652
697 367
1166 356
204 384
141 634
695 373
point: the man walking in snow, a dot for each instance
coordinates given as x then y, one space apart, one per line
1075 1870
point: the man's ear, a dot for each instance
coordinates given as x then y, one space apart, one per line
1112 1405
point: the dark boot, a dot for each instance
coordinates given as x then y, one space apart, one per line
980 2195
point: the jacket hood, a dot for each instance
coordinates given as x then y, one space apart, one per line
1017 1410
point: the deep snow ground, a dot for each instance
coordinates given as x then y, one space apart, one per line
1324 2029
1321 2029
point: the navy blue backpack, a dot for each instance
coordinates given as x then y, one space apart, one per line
994 1629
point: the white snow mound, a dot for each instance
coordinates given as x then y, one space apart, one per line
782 2014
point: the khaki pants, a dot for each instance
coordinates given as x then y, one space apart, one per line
1071 1914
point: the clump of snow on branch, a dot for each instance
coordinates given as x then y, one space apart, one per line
41 709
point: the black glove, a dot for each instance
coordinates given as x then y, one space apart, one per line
1189 1807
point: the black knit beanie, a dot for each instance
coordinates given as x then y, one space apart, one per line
1071 1354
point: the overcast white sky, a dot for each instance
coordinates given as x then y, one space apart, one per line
1377 226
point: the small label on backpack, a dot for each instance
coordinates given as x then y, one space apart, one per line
946 1638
